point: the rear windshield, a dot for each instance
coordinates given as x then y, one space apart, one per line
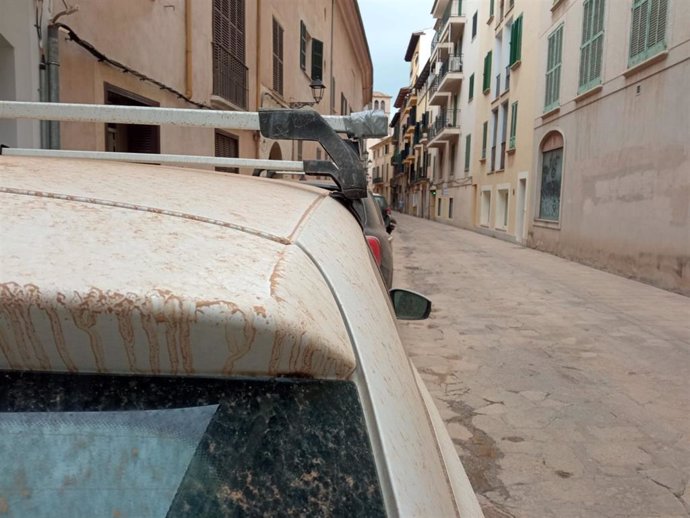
120 446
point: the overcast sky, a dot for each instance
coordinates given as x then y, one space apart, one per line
389 24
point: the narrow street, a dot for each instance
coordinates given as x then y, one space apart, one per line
566 389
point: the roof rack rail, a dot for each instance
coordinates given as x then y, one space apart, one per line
346 168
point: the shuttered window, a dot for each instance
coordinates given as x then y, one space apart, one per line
316 60
229 70
592 47
486 79
227 146
553 69
471 92
513 125
516 41
302 46
485 134
468 148
491 8
648 31
277 57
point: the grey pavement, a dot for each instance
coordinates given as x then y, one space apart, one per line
566 389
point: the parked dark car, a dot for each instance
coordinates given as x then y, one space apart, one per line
385 212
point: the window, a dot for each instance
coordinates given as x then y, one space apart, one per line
318 153
513 124
551 172
648 31
383 108
229 70
438 213
189 452
553 69
474 25
501 220
485 136
343 104
491 9
485 207
332 94
299 149
450 208
376 105
227 146
516 41
592 44
486 79
277 57
452 153
316 59
130 138
471 89
303 41
468 148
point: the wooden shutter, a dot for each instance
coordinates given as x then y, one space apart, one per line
658 14
226 146
486 80
471 92
591 49
648 31
468 148
277 57
516 41
513 125
485 134
491 8
553 69
302 46
316 59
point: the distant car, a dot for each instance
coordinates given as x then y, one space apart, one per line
385 212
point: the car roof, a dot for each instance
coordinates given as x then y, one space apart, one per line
132 268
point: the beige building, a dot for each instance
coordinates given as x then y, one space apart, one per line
222 54
379 101
380 155
612 137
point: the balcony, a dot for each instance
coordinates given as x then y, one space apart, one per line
452 20
446 127
377 180
449 79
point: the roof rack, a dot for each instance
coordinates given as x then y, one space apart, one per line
345 166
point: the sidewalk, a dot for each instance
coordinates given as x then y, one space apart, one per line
566 389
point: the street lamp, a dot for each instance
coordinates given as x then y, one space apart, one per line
317 88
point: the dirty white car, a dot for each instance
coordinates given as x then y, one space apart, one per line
173 344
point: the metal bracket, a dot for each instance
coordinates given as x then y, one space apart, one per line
346 170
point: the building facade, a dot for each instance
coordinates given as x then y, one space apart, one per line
220 54
612 137
380 154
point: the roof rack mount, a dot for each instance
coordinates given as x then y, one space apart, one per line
346 169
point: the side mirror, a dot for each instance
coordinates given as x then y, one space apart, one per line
409 305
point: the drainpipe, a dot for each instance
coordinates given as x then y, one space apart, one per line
330 87
43 96
188 47
53 74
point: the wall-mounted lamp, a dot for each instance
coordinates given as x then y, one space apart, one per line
317 89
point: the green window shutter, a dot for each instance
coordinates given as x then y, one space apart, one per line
516 41
485 133
471 93
316 59
302 46
648 31
553 69
513 125
491 8
592 48
486 80
468 148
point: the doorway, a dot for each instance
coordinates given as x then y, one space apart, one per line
521 209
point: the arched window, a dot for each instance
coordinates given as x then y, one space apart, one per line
383 106
376 105
551 176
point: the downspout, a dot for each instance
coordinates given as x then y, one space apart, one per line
188 47
257 135
53 58
332 105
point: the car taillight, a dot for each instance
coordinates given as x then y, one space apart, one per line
388 211
375 247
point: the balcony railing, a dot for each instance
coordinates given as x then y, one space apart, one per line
377 179
229 77
446 119
454 8
450 64
433 85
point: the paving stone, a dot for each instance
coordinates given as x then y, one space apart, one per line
495 409
674 480
534 395
458 431
618 454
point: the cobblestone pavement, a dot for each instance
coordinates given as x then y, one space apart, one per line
566 389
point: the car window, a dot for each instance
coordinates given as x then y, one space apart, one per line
101 445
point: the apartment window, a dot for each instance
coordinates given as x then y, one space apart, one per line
318 153
229 70
300 148
452 159
316 59
383 106
227 146
343 104
277 57
491 9
485 136
303 44
438 212
501 220
553 69
474 24
513 124
332 94
516 41
592 46
485 207
486 79
648 31
376 105
468 148
551 176
450 208
471 88
130 138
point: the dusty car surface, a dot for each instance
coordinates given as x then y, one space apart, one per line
178 342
